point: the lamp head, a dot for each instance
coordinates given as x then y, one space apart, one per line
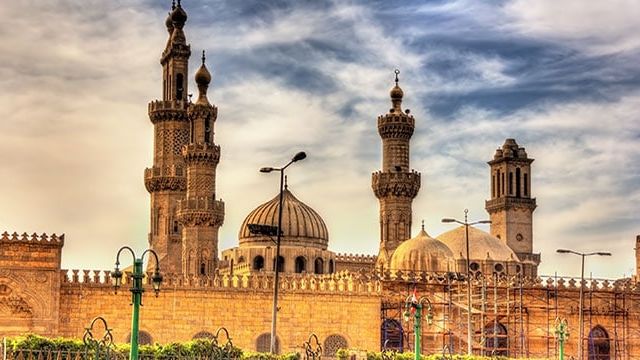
116 278
448 220
299 156
156 280
266 169
406 315
563 251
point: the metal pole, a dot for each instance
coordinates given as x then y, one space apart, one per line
274 313
469 337
581 316
136 295
418 331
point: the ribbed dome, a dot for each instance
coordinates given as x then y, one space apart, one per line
421 253
301 225
482 245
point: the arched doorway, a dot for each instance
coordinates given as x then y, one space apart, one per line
599 346
392 334
496 336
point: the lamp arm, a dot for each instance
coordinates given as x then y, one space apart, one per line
133 254
155 255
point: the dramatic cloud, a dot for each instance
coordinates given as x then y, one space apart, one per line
313 76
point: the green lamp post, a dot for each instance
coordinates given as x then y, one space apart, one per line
562 333
136 290
415 305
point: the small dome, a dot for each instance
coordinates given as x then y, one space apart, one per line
203 77
421 253
301 225
482 245
396 93
178 16
169 23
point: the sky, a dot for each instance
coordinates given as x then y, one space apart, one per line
561 77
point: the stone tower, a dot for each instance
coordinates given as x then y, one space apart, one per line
200 214
396 184
166 180
511 206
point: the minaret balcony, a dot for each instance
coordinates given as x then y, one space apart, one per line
508 202
165 178
396 126
170 110
202 153
201 211
399 184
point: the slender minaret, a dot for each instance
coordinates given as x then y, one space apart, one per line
396 185
166 180
200 214
511 206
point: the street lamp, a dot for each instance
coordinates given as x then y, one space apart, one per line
581 315
412 304
466 224
136 290
562 333
299 156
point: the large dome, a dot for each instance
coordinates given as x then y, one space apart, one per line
421 253
482 245
301 225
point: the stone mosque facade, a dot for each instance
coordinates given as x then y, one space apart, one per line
348 301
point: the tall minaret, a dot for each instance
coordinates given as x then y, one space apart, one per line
396 185
166 180
200 214
511 206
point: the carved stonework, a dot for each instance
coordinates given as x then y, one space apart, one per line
200 111
201 154
395 184
165 183
158 113
398 126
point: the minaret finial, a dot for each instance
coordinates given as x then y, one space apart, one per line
397 72
173 4
422 224
286 186
203 58
179 5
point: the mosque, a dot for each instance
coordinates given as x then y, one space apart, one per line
349 301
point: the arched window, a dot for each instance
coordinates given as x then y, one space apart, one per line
510 183
498 184
241 260
203 335
179 87
332 343
319 266
493 186
301 264
518 182
263 343
496 339
280 263
207 130
392 334
503 182
203 269
144 338
176 227
258 263
331 267
599 346
525 179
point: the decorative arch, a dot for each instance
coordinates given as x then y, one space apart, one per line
599 344
258 263
300 264
318 266
263 343
332 343
19 299
144 338
497 339
203 335
392 334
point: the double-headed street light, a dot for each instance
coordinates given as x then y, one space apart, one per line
278 232
466 224
581 315
136 290
415 306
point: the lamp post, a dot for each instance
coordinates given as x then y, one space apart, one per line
466 224
581 315
299 156
562 333
136 290
411 303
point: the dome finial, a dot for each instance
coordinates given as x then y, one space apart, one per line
173 4
396 94
286 186
422 224
203 57
397 72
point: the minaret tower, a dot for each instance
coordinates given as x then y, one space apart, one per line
200 214
511 206
396 184
166 180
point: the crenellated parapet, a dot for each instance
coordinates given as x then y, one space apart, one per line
396 125
30 252
203 211
168 110
356 258
201 110
399 184
165 178
201 153
43 239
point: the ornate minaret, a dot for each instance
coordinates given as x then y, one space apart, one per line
511 206
396 185
166 180
200 214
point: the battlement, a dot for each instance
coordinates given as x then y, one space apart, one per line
43 239
395 183
162 105
161 110
356 258
165 178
